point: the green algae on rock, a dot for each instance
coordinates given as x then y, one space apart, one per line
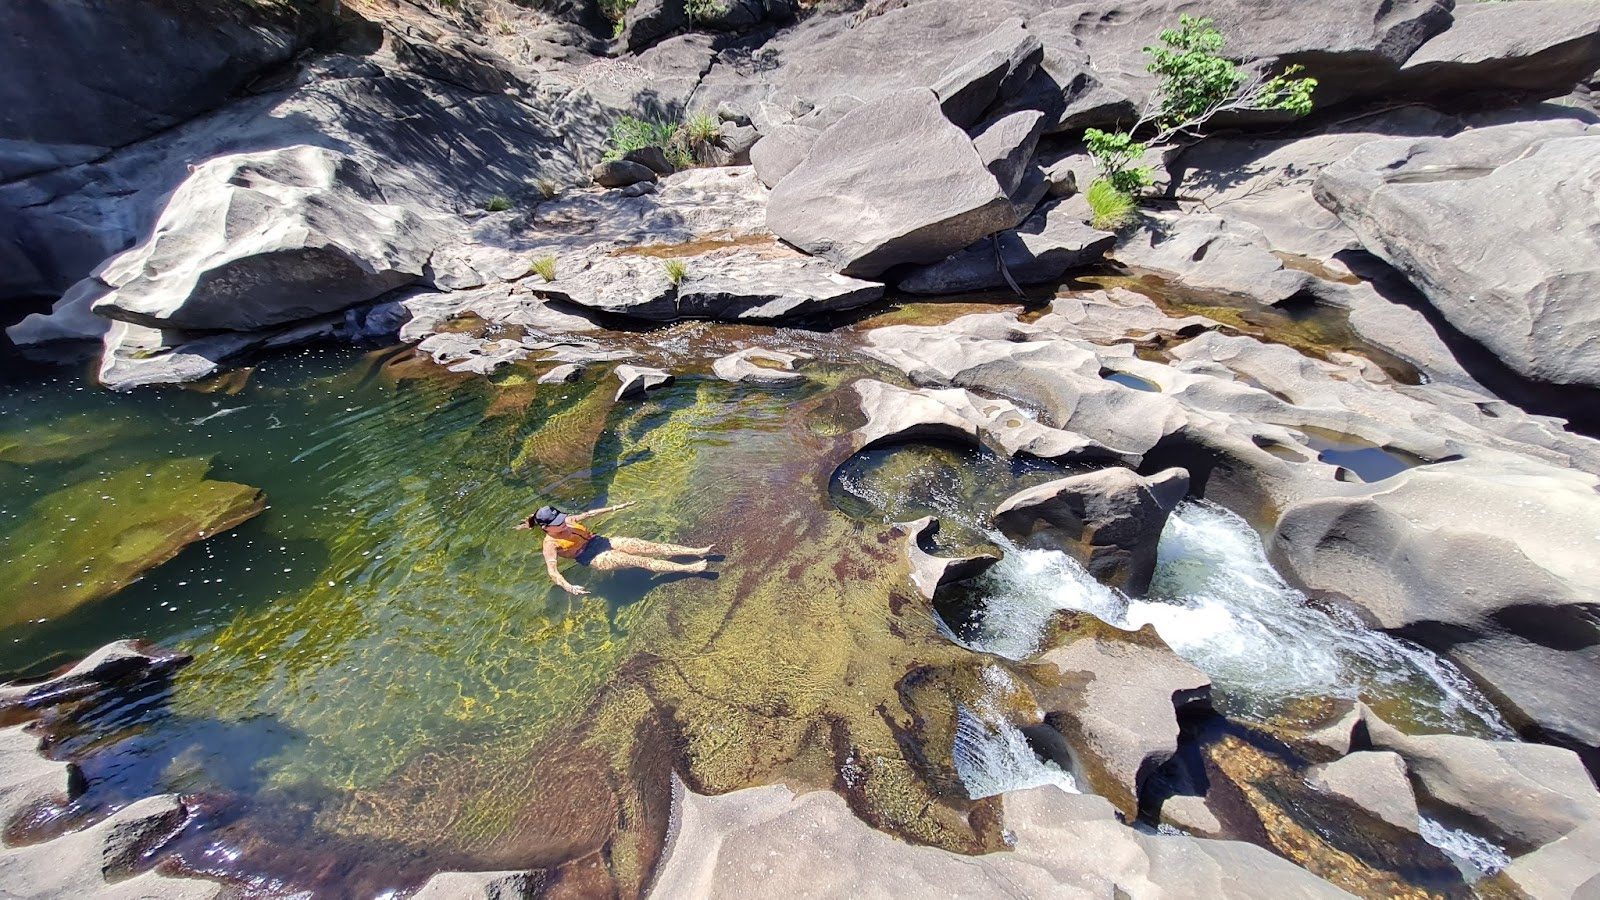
68 438
106 532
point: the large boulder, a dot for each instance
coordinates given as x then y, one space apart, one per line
648 21
1111 520
891 182
1538 47
993 68
260 239
96 74
1045 247
1353 49
1373 780
1488 561
1208 251
1500 230
1115 697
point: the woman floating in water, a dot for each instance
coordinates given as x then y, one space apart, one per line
565 537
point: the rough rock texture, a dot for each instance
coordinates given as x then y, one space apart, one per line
897 415
782 147
1520 262
28 779
112 73
1067 845
1541 48
648 21
1111 520
930 573
1042 250
1568 867
891 182
255 240
994 67
1115 698
1372 780
1206 251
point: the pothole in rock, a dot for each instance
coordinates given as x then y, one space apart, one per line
1357 457
1132 381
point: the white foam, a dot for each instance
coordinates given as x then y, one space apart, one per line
1476 857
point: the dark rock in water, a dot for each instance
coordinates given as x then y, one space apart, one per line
892 182
648 21
1115 696
1540 49
652 158
621 173
1111 520
638 380
1519 265
123 662
1050 243
930 573
994 68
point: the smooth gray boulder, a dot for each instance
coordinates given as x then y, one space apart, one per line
929 572
1044 248
1498 227
990 69
565 373
1116 698
1522 796
782 147
1374 780
1536 47
260 239
1111 520
891 182
27 779
1565 868
1006 146
621 173
896 415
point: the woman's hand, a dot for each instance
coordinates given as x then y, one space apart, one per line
575 591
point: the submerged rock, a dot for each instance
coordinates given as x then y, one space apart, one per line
121 661
1110 520
110 530
747 366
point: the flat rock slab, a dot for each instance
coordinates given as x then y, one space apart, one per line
1518 264
891 182
1542 48
1372 780
154 511
1047 245
1206 251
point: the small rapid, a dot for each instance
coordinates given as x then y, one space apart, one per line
992 755
1219 604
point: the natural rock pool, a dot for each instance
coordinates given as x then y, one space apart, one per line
386 685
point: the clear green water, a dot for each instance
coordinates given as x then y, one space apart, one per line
385 684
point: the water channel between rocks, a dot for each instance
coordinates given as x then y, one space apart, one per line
385 684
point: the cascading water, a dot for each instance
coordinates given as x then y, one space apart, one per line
992 755
1219 604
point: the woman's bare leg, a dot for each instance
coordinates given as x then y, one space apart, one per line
651 548
612 560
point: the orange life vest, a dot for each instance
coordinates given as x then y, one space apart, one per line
569 547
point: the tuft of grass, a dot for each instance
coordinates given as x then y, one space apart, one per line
630 134
706 10
544 267
1110 208
497 203
548 188
703 127
676 269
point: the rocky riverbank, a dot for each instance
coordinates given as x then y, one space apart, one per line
189 190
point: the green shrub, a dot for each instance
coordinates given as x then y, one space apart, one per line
1111 207
632 134
497 203
703 127
616 10
1196 82
544 267
706 10
676 269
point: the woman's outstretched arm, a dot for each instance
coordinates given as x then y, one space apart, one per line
579 517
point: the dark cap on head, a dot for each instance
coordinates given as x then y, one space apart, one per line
547 516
